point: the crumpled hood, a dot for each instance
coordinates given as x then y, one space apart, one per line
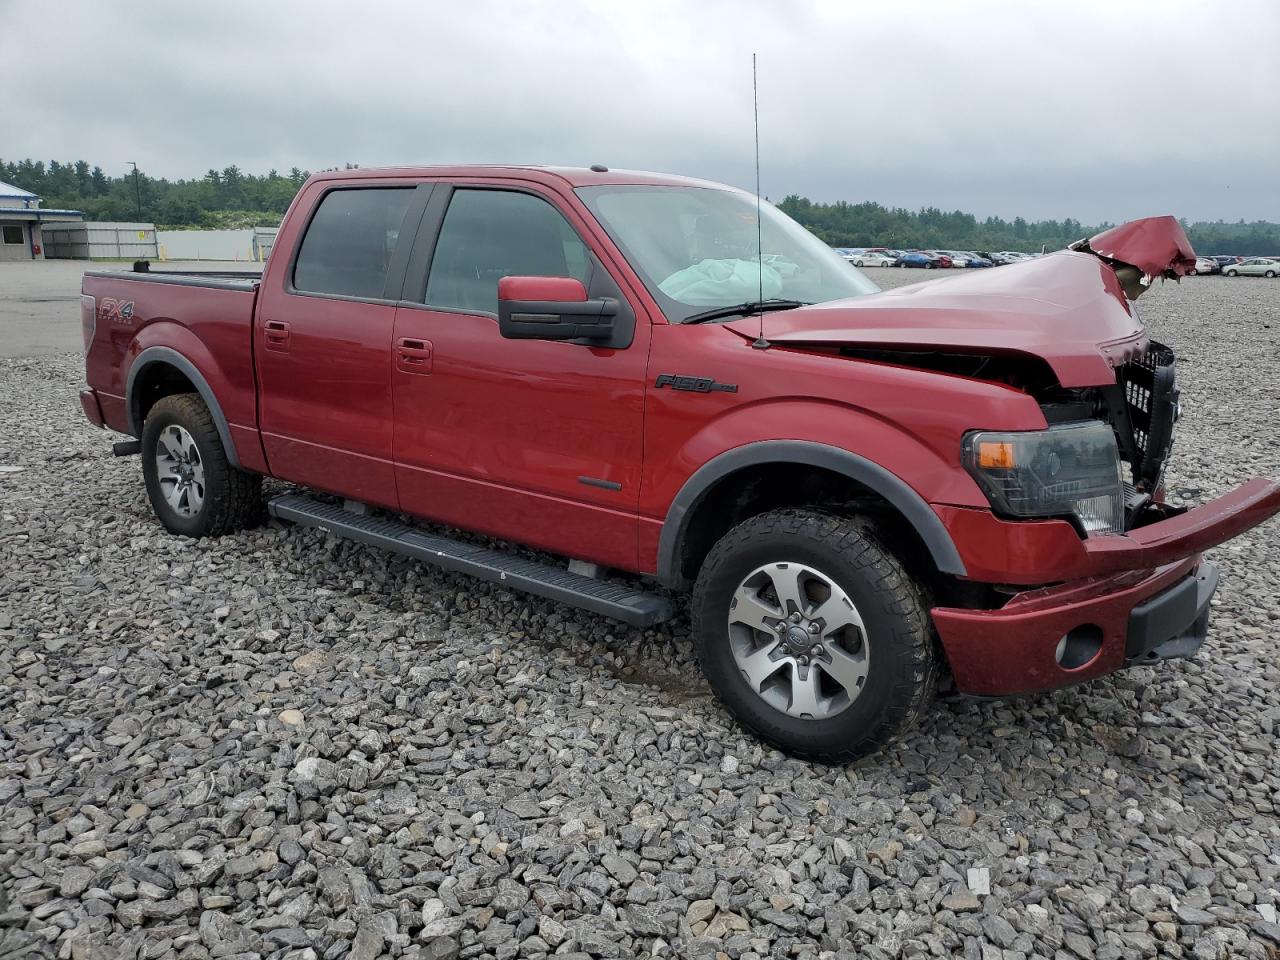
1068 308
1155 247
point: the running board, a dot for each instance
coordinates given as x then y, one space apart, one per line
636 607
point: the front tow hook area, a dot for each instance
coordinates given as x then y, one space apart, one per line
1172 624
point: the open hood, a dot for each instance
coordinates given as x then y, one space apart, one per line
1069 308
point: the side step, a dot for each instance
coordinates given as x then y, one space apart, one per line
635 607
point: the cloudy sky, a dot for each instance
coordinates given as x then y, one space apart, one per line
1093 110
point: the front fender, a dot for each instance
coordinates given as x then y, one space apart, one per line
860 469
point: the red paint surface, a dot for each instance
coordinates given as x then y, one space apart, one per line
494 435
558 289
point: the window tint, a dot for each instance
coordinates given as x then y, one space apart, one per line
12 233
490 234
350 241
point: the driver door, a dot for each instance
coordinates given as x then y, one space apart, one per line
533 441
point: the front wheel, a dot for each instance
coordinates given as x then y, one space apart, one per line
193 488
1232 273
1270 273
813 635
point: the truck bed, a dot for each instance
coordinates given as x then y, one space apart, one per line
223 279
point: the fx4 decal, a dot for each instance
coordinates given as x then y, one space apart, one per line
116 311
693 384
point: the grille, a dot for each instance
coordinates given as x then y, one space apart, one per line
1151 401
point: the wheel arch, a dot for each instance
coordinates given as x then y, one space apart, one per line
693 497
160 372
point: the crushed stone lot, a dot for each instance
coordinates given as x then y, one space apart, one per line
280 744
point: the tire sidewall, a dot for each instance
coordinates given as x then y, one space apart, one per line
891 669
211 457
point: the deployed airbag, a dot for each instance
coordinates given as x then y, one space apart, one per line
715 283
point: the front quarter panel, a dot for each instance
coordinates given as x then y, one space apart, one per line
909 422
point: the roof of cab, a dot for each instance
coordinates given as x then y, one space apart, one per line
573 176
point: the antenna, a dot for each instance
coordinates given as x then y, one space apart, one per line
761 343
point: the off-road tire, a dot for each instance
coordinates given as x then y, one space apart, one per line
904 663
233 497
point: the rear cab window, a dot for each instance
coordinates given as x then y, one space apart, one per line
349 242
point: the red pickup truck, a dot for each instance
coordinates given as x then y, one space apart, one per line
868 493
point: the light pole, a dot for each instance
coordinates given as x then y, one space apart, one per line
137 188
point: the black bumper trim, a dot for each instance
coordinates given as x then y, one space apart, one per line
1173 623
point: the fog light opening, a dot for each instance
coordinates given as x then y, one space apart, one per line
1079 646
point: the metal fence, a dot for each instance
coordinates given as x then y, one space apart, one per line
100 241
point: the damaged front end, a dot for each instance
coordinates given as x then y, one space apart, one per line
1141 251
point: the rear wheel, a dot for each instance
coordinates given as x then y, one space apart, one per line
1192 272
193 488
813 635
1270 273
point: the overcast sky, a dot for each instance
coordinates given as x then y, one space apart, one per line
1093 110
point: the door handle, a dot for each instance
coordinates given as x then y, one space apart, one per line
276 333
413 355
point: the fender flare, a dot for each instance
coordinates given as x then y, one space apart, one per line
173 358
871 475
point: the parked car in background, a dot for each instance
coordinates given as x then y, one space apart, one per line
941 259
1254 267
922 258
872 258
1205 265
1005 257
1225 260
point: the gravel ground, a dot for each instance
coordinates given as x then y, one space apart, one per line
279 744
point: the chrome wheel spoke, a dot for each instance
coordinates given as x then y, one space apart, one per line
172 490
847 669
747 608
837 612
786 584
806 697
759 666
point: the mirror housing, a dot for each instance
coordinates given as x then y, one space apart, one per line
552 308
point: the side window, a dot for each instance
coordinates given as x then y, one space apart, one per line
349 242
490 234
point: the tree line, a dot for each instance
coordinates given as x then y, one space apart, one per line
843 224
230 198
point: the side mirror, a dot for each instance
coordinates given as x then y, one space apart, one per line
552 308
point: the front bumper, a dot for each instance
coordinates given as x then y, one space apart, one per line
1057 636
1034 552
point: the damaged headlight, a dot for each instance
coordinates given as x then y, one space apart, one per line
1072 469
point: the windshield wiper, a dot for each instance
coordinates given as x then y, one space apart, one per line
742 309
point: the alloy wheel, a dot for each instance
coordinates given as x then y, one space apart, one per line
798 640
180 471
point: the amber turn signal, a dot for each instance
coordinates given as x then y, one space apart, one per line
995 455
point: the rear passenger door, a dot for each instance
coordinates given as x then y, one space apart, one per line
323 338
528 440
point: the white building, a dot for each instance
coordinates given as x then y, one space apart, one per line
21 219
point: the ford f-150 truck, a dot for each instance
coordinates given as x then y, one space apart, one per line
867 493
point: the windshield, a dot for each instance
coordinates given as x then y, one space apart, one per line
695 248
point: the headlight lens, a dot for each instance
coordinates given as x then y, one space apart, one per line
1072 469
